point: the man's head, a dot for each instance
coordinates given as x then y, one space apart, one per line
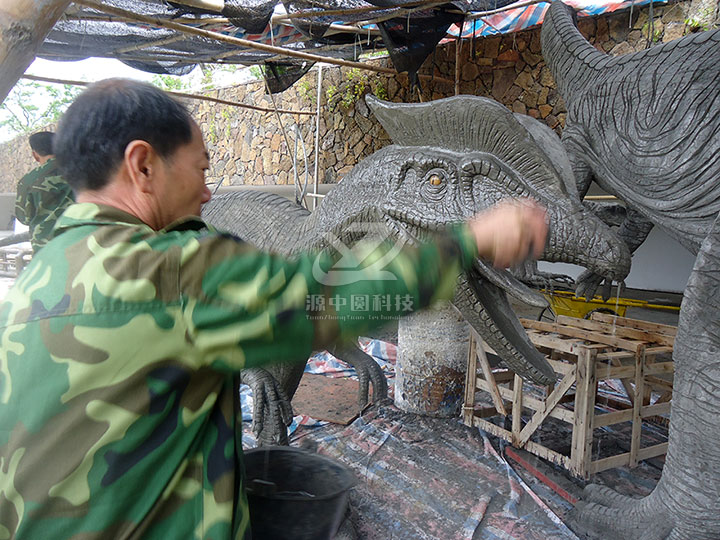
130 145
41 144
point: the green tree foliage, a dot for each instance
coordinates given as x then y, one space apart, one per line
31 105
171 83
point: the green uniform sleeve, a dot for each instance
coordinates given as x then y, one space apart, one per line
246 308
23 201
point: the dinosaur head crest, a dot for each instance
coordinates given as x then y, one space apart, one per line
468 124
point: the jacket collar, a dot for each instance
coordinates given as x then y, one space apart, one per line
80 214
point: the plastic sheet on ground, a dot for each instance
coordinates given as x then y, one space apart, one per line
430 478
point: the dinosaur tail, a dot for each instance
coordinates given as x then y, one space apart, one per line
573 61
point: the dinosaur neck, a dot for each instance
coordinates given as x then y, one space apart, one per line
353 200
573 61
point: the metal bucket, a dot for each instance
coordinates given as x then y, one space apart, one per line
294 494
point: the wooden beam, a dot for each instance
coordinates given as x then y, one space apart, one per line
550 403
208 5
23 27
239 42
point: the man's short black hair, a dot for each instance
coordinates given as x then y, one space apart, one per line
42 142
95 130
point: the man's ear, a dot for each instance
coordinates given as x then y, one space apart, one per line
36 156
141 161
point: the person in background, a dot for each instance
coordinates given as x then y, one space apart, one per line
122 340
42 194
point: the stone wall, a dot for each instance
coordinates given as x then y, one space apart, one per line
253 147
16 160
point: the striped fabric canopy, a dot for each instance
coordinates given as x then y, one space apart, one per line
524 16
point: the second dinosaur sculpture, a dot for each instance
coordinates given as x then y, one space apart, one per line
451 159
646 127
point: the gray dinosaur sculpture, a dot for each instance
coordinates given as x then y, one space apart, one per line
451 159
646 126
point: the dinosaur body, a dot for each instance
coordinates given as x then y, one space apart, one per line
451 159
646 128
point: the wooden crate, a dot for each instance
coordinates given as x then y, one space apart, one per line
582 352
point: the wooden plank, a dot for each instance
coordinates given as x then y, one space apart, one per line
561 367
470 376
529 402
580 333
550 403
493 429
621 355
611 372
555 342
581 447
660 368
545 453
653 451
608 419
637 408
23 27
655 409
479 353
666 329
635 334
517 403
609 463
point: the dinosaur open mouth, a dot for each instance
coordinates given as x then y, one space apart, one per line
490 285
415 231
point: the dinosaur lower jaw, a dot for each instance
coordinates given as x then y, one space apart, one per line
513 346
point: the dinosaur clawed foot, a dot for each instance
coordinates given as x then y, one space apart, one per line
603 514
368 372
272 411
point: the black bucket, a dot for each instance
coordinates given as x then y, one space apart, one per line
295 495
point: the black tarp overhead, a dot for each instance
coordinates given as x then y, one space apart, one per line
342 29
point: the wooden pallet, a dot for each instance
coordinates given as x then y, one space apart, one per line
582 352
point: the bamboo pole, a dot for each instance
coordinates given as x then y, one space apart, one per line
177 94
481 14
209 5
308 14
23 27
243 42
238 42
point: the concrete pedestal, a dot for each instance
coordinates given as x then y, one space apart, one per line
431 360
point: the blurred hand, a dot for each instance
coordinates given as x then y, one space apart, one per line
510 232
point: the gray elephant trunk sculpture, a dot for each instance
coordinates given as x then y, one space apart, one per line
451 159
646 127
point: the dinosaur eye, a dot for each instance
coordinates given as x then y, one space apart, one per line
436 177
435 184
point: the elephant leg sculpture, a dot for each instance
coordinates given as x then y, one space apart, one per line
450 159
646 127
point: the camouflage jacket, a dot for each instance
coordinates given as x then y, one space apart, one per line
42 197
118 355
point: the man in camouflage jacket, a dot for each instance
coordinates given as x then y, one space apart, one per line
42 194
121 341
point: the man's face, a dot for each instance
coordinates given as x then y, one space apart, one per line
182 181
